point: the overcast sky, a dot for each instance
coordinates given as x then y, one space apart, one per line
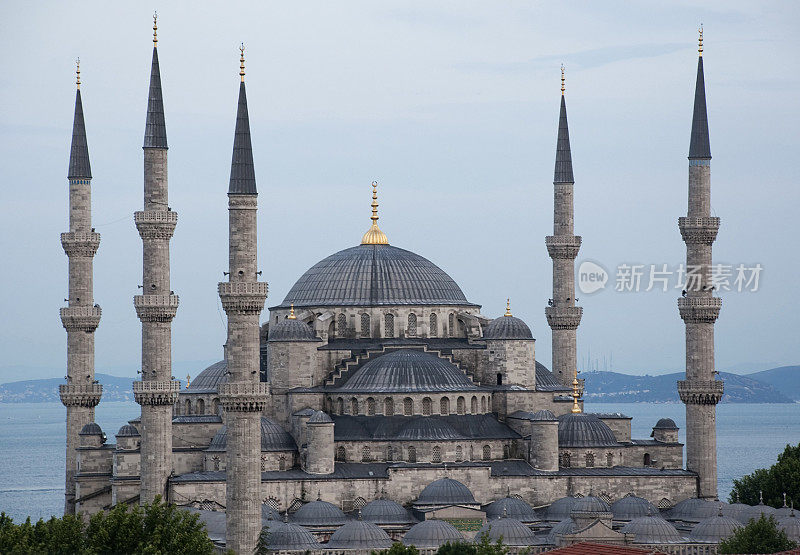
453 108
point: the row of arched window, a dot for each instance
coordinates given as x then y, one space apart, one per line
395 453
565 460
389 325
198 408
370 406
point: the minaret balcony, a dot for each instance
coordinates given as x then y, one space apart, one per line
243 297
563 246
563 317
156 224
156 392
80 395
156 308
244 396
699 310
696 392
80 243
83 318
699 231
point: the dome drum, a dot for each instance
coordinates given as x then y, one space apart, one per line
405 404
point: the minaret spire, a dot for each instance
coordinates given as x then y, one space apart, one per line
563 171
243 174
79 166
155 130
699 145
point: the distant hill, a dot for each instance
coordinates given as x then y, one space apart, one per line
46 390
784 378
623 388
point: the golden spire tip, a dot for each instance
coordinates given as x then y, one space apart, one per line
700 41
241 62
508 307
576 393
155 29
374 235
291 313
562 79
78 73
188 380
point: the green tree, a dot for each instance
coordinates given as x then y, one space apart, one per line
398 549
782 477
457 548
759 536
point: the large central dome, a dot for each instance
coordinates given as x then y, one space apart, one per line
374 275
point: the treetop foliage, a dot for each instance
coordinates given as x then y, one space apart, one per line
782 477
759 536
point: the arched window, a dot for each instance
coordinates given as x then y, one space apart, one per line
499 378
388 325
340 406
589 460
434 326
341 454
388 406
459 453
341 325
609 459
282 463
370 406
411 329
365 332
215 462
473 405
188 407
444 406
354 406
426 406
215 405
201 406
412 454
487 453
365 456
565 460
483 404
647 459
389 453
506 452
437 454
461 405
408 406
451 324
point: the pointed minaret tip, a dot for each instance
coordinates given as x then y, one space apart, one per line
563 170
155 130
243 173
79 166
699 144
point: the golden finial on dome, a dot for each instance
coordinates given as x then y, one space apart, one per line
562 79
78 72
155 29
508 307
700 41
576 393
241 62
188 380
291 313
374 235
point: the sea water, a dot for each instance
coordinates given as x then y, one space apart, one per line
32 444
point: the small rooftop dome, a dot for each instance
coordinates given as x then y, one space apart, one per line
319 513
128 430
273 438
510 530
590 504
560 508
631 506
665 424
511 507
755 512
734 510
507 327
291 330
694 510
445 491
543 415
432 534
210 378
320 417
791 525
566 526
714 529
385 511
91 429
652 529
284 536
358 534
584 430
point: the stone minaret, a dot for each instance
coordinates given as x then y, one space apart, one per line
562 314
698 307
157 305
80 394
244 396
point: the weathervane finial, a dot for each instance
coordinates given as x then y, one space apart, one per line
291 313
700 41
241 62
374 235
508 307
78 72
155 29
562 79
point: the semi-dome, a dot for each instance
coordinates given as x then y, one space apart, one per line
560 508
432 534
584 430
590 504
408 370
273 438
285 536
319 513
445 491
694 510
507 327
566 526
385 511
211 377
652 529
510 530
714 529
511 507
358 534
128 430
91 429
631 506
292 330
374 275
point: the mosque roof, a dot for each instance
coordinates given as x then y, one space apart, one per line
386 511
652 529
211 377
510 530
560 508
714 529
565 526
407 370
374 275
359 534
755 512
445 491
290 329
273 438
420 428
286 536
694 509
545 381
590 504
511 507
631 506
584 430
432 533
507 327
319 513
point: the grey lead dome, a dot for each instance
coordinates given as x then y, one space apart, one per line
507 327
445 491
584 430
293 330
432 533
358 534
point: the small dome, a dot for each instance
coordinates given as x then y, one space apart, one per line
507 327
566 526
284 536
631 506
293 330
511 507
385 511
408 370
791 525
273 438
584 430
694 510
755 512
510 530
269 514
590 504
358 534
319 513
445 491
320 417
91 429
560 508
734 510
782 512
432 534
665 424
128 430
652 529
714 529
211 377
543 415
